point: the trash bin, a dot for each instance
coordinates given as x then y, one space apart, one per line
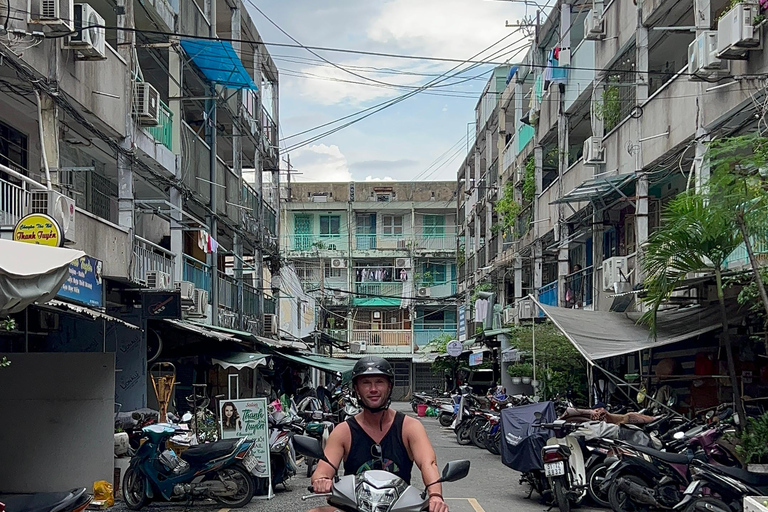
421 410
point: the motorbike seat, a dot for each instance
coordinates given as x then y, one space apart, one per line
749 478
672 458
41 501
209 451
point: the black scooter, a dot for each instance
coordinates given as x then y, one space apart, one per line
76 500
728 483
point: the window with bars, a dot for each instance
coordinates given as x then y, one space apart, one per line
434 226
330 225
13 150
392 225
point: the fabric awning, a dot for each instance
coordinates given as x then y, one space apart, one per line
601 334
58 305
31 273
202 330
329 364
240 360
219 63
595 188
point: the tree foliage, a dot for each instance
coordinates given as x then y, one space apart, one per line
559 366
507 207
529 180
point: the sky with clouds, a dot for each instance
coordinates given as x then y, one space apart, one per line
422 137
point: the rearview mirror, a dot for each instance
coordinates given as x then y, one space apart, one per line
308 446
455 470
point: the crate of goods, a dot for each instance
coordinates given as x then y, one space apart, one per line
755 503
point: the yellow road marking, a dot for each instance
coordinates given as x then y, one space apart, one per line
472 501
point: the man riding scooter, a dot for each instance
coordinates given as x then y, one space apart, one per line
401 440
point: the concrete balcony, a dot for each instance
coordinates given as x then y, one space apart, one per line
312 245
422 336
581 74
384 289
14 200
384 341
198 273
446 243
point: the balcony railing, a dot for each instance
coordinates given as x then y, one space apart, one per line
739 258
383 337
163 132
148 257
198 273
364 242
422 336
548 294
270 305
447 242
312 243
481 258
250 300
442 289
509 154
13 202
227 292
578 288
385 289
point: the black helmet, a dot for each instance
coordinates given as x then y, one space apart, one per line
372 365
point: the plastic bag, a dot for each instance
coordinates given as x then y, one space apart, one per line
102 491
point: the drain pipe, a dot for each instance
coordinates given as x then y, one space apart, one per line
42 140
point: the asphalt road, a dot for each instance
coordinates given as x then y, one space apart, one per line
490 486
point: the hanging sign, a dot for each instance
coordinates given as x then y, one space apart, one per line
40 229
462 323
454 348
165 304
475 359
84 284
248 418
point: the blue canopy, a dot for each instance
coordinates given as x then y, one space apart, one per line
218 62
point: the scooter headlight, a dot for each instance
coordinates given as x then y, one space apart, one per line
370 499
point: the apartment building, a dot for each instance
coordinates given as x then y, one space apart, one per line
380 259
604 121
148 147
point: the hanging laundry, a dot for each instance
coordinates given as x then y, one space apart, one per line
202 240
481 310
213 245
558 74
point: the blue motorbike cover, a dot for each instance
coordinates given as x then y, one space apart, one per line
522 440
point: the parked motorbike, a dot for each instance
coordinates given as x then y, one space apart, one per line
218 470
282 462
76 500
564 465
376 489
716 488
654 478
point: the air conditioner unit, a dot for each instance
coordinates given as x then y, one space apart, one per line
159 280
146 104
403 262
56 205
358 347
509 315
56 15
614 271
594 28
338 263
422 292
89 41
703 63
270 323
525 309
187 290
200 307
736 32
593 151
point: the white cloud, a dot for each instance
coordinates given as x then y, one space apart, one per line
385 178
320 162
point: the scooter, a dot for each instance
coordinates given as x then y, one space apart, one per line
219 470
282 461
376 489
729 484
564 465
76 500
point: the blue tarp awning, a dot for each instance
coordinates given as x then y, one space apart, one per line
218 62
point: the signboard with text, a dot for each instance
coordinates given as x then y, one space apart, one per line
40 229
248 418
165 304
462 323
84 284
475 359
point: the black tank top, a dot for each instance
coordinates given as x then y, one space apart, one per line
395 455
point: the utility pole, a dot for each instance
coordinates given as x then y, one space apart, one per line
210 129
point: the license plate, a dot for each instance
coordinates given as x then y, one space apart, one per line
250 461
692 487
554 469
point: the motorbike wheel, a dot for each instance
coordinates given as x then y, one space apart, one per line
560 495
474 431
493 444
594 479
482 438
244 483
620 500
134 485
707 504
462 434
414 406
445 419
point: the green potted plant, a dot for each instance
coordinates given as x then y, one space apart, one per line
520 372
753 444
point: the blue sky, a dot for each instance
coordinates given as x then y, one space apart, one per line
402 141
